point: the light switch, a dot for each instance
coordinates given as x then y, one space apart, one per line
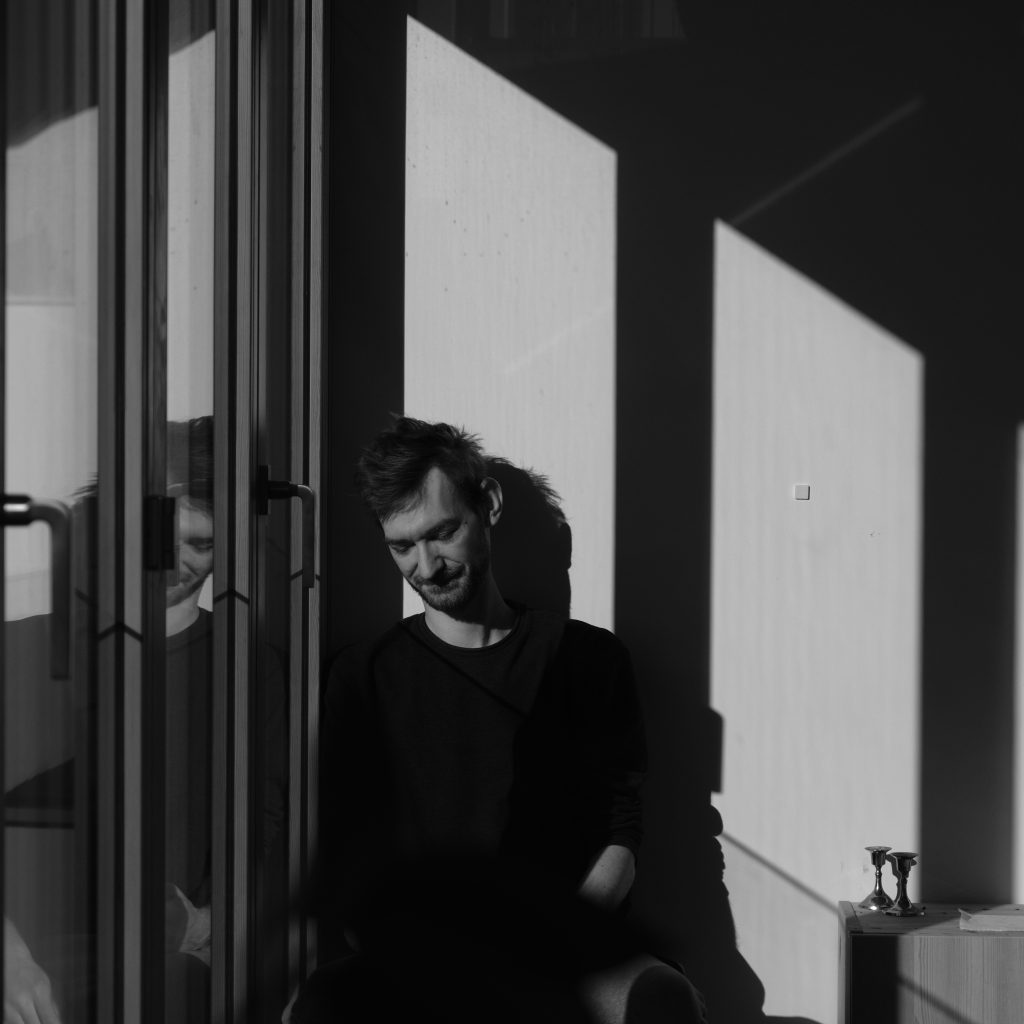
802 492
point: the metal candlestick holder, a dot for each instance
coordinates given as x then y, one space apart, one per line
878 898
901 863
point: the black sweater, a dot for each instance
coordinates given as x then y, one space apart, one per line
531 748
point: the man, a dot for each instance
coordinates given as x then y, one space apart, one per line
482 768
188 718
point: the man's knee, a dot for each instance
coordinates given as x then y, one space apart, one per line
643 991
662 994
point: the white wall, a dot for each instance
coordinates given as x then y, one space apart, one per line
510 290
815 611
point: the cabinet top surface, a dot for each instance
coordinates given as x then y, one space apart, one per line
938 919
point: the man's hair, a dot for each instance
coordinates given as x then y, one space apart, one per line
190 461
393 468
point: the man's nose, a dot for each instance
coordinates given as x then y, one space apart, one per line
428 558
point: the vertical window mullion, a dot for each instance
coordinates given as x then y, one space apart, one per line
155 127
235 325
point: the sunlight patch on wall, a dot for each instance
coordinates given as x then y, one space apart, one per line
510 290
816 600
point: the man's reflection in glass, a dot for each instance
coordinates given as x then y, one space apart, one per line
195 562
48 802
188 714
38 988
188 709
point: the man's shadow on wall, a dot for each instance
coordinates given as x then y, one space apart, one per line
531 553
531 548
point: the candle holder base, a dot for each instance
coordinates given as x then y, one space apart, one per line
875 901
912 911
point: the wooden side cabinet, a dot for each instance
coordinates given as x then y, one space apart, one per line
925 970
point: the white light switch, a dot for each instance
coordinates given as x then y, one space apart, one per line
802 492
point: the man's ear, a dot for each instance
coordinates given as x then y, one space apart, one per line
492 500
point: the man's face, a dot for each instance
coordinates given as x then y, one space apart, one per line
440 546
195 553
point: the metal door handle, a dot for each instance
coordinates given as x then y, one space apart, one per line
21 510
266 490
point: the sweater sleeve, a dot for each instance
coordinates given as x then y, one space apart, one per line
352 807
581 757
615 742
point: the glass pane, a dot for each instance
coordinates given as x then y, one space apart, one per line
50 376
190 481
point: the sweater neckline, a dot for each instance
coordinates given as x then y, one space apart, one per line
419 626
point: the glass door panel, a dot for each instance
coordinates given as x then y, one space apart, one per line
50 456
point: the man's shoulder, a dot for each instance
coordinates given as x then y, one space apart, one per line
591 667
586 637
360 657
578 646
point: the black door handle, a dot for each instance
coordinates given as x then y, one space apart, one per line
21 510
266 490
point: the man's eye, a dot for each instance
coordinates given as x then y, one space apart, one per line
399 549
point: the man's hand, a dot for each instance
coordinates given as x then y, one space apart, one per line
28 996
610 877
187 927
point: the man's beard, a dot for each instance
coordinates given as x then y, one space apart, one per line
451 594
178 592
